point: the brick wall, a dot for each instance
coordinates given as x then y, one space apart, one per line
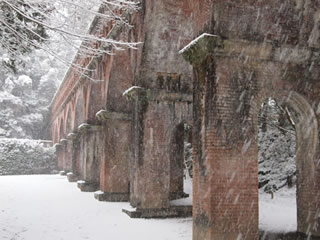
229 92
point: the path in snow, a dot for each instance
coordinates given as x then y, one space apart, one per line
278 215
47 207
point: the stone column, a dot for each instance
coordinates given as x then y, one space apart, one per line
225 188
114 174
73 154
150 164
90 157
62 156
59 152
68 156
150 186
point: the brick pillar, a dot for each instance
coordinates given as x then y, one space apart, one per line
153 149
74 155
149 177
225 187
308 169
114 174
62 156
68 155
59 153
90 156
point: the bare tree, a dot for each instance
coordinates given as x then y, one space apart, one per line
25 24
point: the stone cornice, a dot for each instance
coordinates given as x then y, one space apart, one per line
150 94
201 47
72 136
63 141
207 44
103 115
85 127
57 146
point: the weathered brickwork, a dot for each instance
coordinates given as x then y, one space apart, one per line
130 147
232 80
156 159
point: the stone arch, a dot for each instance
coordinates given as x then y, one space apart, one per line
306 153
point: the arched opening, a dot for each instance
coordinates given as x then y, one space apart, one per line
300 115
277 169
180 184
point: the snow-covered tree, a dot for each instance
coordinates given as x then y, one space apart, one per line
277 147
24 25
18 33
40 63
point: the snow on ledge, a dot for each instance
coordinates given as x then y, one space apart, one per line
130 208
99 192
193 42
83 125
129 90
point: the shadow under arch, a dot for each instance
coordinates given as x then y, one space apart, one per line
79 112
54 133
307 150
61 129
68 120
181 134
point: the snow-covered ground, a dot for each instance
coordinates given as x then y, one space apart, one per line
47 207
279 214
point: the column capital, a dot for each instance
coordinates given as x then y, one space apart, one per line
63 141
57 146
135 93
85 127
201 47
72 136
103 115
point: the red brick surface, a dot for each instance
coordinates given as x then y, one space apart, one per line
269 49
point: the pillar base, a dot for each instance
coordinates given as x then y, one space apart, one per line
87 187
171 212
72 177
112 196
178 195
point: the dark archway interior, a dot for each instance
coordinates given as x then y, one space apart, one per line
180 184
79 113
61 130
69 122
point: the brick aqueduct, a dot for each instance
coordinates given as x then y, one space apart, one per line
129 147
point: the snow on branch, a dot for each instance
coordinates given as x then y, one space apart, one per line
25 24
